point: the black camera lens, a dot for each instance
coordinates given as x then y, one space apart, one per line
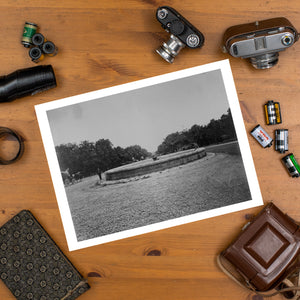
26 82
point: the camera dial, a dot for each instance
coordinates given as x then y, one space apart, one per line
192 40
162 13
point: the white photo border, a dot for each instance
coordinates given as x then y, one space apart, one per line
41 112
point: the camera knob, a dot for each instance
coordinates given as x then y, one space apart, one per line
192 40
162 13
177 27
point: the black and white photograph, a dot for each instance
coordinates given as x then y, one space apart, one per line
148 155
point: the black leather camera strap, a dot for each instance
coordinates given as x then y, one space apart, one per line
6 131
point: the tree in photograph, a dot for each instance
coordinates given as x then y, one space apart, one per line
173 143
87 159
67 155
90 158
216 131
136 152
107 157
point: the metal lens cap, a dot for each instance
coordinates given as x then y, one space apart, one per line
177 27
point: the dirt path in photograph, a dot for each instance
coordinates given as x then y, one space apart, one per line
214 181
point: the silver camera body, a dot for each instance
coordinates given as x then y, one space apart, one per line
260 41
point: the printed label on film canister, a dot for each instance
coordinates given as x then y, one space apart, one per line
261 136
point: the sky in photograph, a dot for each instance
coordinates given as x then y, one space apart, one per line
143 116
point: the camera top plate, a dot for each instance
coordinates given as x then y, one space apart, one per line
177 25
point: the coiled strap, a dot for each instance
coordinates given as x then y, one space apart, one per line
286 286
7 131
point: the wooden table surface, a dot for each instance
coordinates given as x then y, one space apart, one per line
106 43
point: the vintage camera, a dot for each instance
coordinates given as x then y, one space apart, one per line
264 257
260 41
182 33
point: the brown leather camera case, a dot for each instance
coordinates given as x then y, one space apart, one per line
266 250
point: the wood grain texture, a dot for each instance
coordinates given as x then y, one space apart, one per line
106 43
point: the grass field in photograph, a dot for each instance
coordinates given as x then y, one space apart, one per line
214 181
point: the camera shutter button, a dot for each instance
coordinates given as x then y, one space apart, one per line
177 27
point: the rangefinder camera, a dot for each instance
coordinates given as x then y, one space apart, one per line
260 41
182 33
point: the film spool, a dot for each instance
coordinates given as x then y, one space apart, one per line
28 32
4 131
38 39
49 48
36 54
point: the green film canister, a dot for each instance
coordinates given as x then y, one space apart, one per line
28 32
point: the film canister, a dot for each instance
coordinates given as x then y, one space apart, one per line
26 82
292 165
261 136
49 48
281 140
36 54
273 114
38 39
28 32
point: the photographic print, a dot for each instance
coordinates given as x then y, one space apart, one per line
148 155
